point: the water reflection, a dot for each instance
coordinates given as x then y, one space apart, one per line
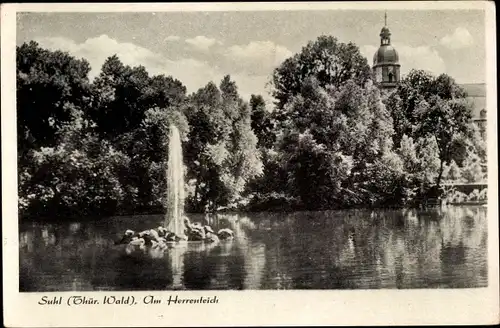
309 250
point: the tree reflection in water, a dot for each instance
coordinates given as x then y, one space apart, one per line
307 250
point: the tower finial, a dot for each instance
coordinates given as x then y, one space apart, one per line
385 18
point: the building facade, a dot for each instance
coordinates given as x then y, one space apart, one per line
476 95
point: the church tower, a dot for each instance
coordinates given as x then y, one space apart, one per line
386 61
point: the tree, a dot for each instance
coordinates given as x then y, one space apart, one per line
244 162
477 143
164 92
339 141
315 174
472 170
206 119
414 91
426 106
50 86
120 91
123 94
445 121
405 101
420 161
262 124
132 110
452 172
331 62
221 152
324 91
428 159
385 181
445 87
408 153
80 175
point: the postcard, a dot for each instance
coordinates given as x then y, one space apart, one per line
249 164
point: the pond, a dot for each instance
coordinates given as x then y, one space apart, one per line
352 249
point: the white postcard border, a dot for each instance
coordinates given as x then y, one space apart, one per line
295 307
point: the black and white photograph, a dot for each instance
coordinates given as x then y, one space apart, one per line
251 150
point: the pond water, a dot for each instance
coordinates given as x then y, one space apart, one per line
355 249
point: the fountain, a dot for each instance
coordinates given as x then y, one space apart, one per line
174 203
176 227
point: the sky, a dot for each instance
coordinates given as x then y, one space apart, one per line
198 47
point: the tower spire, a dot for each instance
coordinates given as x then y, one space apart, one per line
386 60
385 34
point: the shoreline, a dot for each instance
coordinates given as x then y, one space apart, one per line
33 218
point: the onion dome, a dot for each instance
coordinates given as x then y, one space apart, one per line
386 65
386 54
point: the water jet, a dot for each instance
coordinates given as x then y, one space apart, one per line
176 227
174 202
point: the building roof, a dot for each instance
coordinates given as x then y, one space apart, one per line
476 94
386 54
475 89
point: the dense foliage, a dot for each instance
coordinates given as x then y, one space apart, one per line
101 148
333 140
331 62
424 106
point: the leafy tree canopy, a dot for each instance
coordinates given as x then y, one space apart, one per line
51 85
331 62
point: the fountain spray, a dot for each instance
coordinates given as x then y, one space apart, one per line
175 184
